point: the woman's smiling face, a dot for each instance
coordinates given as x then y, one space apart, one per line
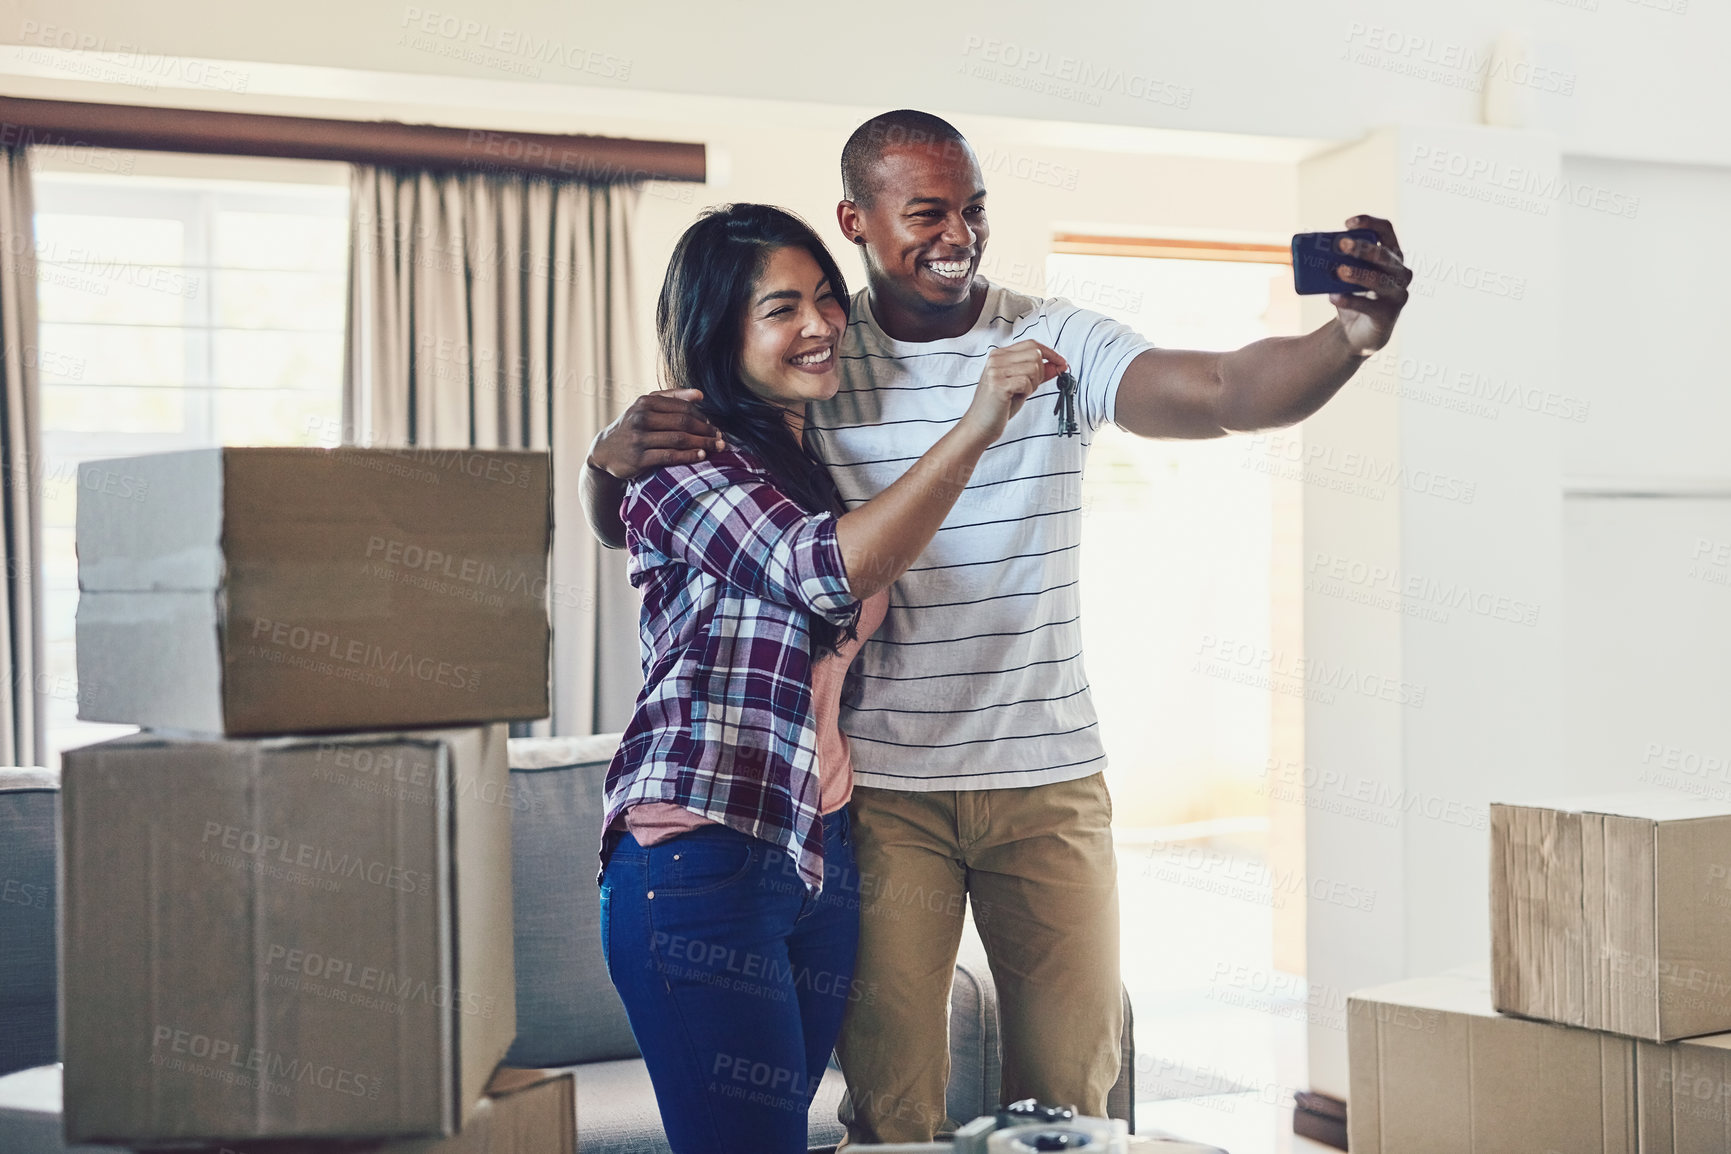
793 322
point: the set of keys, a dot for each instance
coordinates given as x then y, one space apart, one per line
1065 409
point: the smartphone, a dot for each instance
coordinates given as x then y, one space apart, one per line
1315 256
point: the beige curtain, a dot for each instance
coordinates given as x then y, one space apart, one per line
494 311
23 720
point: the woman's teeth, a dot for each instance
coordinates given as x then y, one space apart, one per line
816 358
949 269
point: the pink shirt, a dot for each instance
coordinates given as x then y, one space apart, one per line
653 822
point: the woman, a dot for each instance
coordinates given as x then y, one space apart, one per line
729 902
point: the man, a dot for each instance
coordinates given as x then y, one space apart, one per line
977 759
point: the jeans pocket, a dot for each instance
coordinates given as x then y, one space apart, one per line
703 861
606 928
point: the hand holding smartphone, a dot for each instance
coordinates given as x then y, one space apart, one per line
1315 256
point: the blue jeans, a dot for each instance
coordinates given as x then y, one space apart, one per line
734 978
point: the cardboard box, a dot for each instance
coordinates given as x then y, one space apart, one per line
259 591
1614 913
1685 1096
524 1112
1434 1070
287 937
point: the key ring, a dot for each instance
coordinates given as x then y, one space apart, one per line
1065 409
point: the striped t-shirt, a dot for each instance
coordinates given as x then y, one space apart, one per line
975 680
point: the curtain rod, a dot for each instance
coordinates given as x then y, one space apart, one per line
602 159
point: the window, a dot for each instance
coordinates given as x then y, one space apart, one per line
1188 547
1178 547
176 313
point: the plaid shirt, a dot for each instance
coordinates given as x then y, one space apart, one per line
730 569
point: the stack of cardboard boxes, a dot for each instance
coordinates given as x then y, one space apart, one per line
287 903
1605 1027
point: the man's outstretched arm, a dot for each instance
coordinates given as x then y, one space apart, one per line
1172 393
659 429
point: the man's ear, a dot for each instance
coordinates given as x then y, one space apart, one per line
852 221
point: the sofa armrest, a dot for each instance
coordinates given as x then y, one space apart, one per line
29 974
976 1054
1121 1098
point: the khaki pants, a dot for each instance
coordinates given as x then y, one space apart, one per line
1037 864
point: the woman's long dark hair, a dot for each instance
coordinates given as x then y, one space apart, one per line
700 325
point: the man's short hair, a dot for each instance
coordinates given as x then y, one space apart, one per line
904 126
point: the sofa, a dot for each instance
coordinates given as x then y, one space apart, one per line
569 1016
29 975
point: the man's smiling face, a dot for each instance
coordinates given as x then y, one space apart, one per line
925 228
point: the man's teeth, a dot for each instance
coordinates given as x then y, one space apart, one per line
816 358
953 269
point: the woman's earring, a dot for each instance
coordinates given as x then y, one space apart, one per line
859 240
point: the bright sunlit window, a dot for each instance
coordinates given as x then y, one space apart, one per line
1177 546
175 314
1184 542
